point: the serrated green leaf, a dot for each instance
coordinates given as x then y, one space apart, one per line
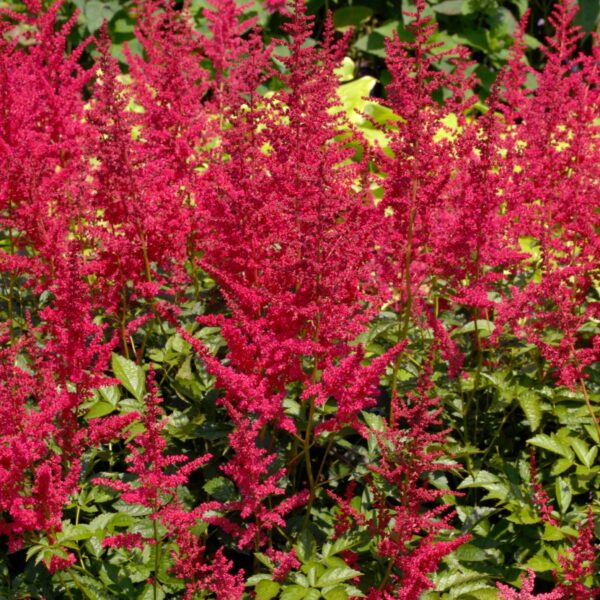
254 579
133 510
583 451
337 575
531 406
339 545
130 375
110 393
265 560
75 533
346 70
306 548
451 7
100 409
221 488
560 466
265 589
353 95
484 328
293 592
564 494
150 593
486 480
551 444
552 533
336 593
375 422
540 564
95 12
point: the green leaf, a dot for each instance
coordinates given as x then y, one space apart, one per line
589 15
373 421
150 593
130 375
76 533
132 510
486 480
484 327
564 494
531 406
372 43
341 544
346 70
337 575
353 94
95 12
265 590
551 444
265 560
221 488
584 454
451 7
99 409
255 579
540 564
351 16
306 548
337 593
560 466
293 592
110 393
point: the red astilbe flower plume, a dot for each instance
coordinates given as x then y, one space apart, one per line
42 437
445 234
408 454
43 169
540 495
34 481
142 180
577 564
423 160
286 228
552 194
170 88
526 591
408 515
287 215
156 475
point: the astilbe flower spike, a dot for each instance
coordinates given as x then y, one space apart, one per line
526 591
551 194
540 496
409 453
578 563
421 165
284 239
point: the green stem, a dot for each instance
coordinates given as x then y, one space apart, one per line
62 582
156 559
387 575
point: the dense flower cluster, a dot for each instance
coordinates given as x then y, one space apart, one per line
216 199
